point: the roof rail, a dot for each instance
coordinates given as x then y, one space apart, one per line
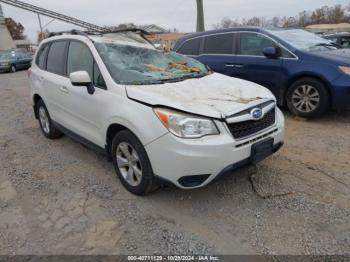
89 33
71 32
135 30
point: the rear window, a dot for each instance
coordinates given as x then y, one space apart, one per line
218 44
190 47
41 57
56 58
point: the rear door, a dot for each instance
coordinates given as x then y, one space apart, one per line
251 64
55 79
217 52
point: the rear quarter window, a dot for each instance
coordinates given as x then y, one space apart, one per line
41 57
190 47
56 58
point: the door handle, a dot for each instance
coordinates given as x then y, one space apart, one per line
235 65
41 79
64 89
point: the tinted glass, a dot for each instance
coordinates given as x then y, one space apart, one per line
191 47
41 57
253 44
56 58
218 44
345 42
80 59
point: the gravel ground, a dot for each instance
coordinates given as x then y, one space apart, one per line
57 197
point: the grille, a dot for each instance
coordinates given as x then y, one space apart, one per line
247 128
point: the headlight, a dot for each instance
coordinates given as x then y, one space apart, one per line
185 125
345 69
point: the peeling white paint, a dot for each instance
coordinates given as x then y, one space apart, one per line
213 95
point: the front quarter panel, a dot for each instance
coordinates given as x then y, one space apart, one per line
138 118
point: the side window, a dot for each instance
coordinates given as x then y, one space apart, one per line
79 59
253 44
191 47
56 58
345 41
98 78
41 57
218 44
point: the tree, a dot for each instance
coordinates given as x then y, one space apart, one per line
43 35
16 29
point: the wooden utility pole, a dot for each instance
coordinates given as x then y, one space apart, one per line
200 16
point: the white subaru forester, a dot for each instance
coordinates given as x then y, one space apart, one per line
159 116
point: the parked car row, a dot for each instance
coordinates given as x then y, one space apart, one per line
13 60
305 72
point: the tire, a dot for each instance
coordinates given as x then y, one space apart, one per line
13 69
308 97
134 170
47 127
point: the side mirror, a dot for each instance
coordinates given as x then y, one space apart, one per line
82 78
271 52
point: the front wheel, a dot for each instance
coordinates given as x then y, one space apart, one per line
131 163
13 69
307 97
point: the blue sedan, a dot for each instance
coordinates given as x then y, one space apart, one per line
307 73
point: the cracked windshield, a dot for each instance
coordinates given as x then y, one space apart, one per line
132 65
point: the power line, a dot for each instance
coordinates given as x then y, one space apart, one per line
54 15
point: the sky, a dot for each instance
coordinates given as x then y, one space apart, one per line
170 14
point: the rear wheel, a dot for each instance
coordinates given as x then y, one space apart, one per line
131 164
46 125
308 97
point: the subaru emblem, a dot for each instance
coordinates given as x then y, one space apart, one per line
256 113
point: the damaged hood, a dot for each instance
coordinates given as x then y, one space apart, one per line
214 96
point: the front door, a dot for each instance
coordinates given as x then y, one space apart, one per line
251 64
85 110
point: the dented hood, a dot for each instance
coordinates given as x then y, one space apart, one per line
214 95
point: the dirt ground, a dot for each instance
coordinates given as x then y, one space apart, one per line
57 197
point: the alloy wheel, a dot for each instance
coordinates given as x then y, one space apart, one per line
306 98
44 120
129 164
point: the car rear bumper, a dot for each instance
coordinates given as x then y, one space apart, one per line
189 163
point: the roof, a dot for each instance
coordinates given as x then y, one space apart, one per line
154 28
131 39
22 42
337 34
329 26
218 31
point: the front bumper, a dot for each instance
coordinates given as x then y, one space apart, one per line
4 68
202 160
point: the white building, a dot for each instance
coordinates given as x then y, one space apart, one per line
6 41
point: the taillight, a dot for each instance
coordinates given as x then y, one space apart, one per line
29 72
